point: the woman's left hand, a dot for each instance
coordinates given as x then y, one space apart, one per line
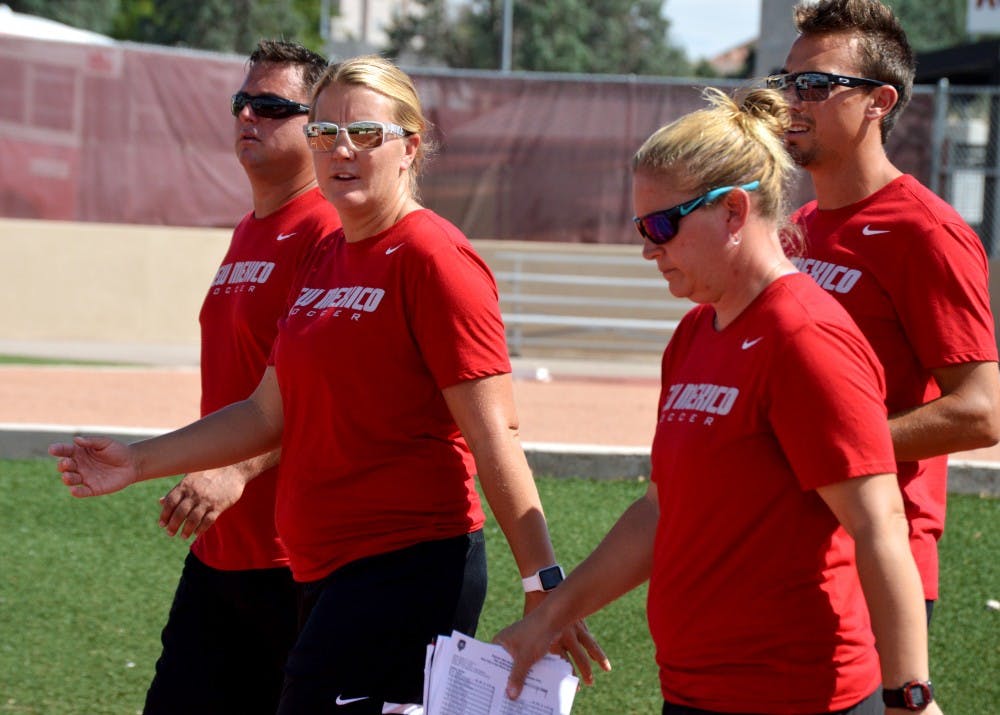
531 638
577 645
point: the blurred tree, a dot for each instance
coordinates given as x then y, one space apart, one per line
202 24
220 25
932 24
587 36
274 19
704 68
95 15
427 34
309 35
135 21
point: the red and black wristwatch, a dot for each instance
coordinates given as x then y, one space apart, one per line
913 696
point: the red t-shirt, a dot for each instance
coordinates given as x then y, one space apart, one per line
239 321
754 599
914 277
372 460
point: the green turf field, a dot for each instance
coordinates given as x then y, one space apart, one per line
85 586
20 360
16 360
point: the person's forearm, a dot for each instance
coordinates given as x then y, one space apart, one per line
229 436
894 595
484 411
937 428
510 490
965 416
621 562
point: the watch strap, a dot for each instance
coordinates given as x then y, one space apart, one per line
544 579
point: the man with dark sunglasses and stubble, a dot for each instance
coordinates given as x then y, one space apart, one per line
908 269
234 614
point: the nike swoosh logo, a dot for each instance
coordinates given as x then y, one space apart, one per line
393 249
869 231
747 344
283 236
347 701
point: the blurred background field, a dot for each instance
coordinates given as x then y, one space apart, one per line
85 587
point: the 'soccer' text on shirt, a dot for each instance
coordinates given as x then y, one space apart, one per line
242 275
361 299
693 402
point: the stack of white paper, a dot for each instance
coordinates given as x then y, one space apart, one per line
463 676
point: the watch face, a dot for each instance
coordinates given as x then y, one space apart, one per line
550 577
917 698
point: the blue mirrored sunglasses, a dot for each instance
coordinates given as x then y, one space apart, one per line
661 226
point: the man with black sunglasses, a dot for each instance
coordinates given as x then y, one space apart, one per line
903 263
234 615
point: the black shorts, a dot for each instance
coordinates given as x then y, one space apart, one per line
872 705
225 642
366 626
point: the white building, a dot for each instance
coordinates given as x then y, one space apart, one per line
358 26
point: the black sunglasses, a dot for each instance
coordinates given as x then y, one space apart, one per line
816 86
661 226
267 105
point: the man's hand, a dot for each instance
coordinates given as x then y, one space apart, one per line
92 466
198 500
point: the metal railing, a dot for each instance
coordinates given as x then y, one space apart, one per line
563 302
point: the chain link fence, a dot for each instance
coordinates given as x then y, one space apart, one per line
966 159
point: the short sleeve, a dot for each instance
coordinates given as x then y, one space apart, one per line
455 316
826 406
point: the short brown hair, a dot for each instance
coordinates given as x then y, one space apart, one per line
885 53
280 52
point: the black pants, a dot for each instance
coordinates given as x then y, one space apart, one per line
225 642
366 626
872 705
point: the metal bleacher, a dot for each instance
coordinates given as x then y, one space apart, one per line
584 303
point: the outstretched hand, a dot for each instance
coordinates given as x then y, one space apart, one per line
199 499
92 466
528 640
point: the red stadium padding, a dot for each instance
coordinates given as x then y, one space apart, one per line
140 134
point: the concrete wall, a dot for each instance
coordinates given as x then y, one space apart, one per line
129 293
84 283
121 292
